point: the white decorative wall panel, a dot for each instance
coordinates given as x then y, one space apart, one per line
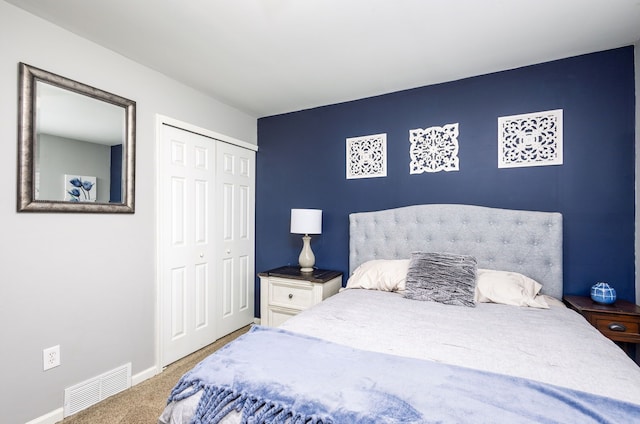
367 156
531 139
434 149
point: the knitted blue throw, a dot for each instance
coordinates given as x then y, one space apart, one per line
275 376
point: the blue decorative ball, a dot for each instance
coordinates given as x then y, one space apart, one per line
602 292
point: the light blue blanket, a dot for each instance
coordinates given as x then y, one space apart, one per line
275 376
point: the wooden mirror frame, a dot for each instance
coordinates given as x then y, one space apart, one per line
27 202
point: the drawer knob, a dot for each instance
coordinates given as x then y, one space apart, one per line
290 295
614 326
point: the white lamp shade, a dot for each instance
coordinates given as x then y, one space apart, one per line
306 221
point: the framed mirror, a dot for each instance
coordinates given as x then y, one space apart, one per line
76 146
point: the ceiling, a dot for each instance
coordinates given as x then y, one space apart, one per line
267 57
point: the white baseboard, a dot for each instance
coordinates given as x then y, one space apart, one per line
57 415
51 418
144 375
256 320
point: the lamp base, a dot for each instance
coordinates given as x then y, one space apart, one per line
306 259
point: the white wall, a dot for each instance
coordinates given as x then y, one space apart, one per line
83 281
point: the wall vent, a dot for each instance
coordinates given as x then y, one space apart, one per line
94 390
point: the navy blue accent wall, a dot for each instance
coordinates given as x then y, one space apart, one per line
115 184
301 163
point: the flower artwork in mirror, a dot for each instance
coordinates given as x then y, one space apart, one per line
76 146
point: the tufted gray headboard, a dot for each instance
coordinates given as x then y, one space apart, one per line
511 240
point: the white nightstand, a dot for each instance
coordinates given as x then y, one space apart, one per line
286 291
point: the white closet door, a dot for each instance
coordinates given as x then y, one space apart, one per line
236 211
188 248
206 240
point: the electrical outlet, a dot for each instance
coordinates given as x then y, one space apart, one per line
51 357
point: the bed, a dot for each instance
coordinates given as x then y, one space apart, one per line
389 348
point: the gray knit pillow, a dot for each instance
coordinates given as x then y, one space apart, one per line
442 277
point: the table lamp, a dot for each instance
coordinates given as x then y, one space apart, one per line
306 221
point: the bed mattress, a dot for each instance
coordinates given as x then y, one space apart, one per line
555 346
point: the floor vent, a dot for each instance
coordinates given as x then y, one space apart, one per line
92 391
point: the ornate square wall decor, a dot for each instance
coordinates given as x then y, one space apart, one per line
434 149
530 139
367 156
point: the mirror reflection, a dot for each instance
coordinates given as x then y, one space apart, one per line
76 146
79 143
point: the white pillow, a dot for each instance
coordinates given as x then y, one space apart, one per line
551 301
380 274
509 288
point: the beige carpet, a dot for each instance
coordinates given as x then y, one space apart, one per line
144 402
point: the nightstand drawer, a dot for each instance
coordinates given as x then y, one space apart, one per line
277 316
616 327
298 295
